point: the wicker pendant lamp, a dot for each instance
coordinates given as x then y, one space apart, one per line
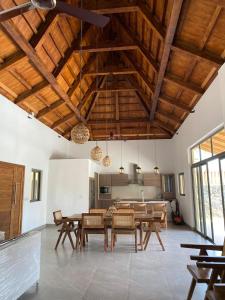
106 160
80 133
96 153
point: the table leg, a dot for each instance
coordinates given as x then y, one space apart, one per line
141 236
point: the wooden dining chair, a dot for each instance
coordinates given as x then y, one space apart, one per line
66 228
154 226
125 210
158 209
218 292
123 223
140 208
201 275
93 223
98 211
122 205
216 265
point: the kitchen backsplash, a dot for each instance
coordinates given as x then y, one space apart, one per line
134 191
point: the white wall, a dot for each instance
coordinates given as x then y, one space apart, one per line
130 155
28 142
68 187
209 115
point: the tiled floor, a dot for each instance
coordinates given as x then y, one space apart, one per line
121 275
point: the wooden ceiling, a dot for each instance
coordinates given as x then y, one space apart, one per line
141 76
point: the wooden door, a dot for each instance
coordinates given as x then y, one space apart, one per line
11 198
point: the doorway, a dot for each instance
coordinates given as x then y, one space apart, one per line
209 192
11 199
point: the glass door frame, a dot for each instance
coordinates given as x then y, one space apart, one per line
199 164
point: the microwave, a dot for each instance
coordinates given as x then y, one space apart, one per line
104 189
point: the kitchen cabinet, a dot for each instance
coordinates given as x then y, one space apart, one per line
105 180
119 179
152 179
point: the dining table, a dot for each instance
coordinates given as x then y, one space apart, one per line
140 218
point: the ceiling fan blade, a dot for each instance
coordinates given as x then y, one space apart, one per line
82 14
15 11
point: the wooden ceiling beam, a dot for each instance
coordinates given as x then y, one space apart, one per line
158 29
88 93
112 7
11 30
183 84
63 120
163 125
107 47
43 112
200 55
35 41
176 103
81 75
139 71
115 89
75 44
31 92
169 116
141 48
111 71
95 99
139 93
114 122
171 30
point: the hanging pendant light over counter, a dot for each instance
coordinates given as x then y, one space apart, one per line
138 169
156 168
96 153
121 169
106 160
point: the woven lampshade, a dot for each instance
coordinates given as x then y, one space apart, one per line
106 161
80 134
96 153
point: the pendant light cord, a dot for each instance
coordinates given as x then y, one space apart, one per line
81 49
121 153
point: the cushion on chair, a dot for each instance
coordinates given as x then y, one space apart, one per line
200 275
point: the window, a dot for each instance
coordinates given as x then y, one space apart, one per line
208 148
35 185
181 184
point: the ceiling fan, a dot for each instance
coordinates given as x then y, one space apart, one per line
62 7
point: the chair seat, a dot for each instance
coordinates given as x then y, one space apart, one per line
200 275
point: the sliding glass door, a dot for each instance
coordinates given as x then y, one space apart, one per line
209 194
203 214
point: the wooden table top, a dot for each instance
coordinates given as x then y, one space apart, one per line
138 217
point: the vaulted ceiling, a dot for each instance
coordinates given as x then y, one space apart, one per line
141 75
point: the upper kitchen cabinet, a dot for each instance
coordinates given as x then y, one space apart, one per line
168 186
119 179
105 180
152 179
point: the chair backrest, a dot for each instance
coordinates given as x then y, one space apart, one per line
97 211
93 220
140 207
125 210
122 205
123 220
159 207
57 215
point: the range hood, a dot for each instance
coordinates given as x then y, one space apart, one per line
135 177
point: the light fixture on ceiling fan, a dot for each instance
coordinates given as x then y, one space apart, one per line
62 7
